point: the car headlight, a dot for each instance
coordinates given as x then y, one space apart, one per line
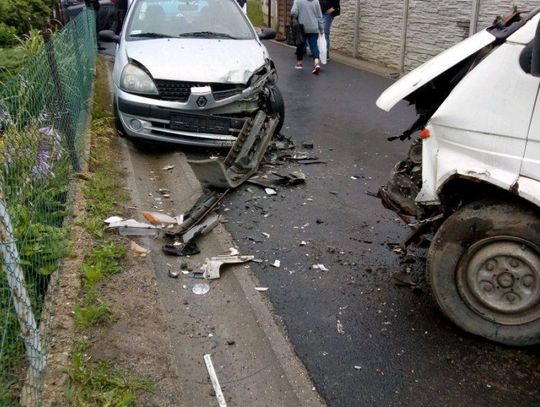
135 80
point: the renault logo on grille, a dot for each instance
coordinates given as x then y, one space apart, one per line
202 101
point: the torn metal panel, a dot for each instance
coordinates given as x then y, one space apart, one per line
210 269
201 229
131 227
273 178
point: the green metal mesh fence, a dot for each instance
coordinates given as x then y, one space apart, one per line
43 114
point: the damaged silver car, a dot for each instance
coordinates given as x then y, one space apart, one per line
191 72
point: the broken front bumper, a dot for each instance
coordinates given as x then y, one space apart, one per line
203 119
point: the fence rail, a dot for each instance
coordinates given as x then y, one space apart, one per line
44 111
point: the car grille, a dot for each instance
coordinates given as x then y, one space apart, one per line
179 91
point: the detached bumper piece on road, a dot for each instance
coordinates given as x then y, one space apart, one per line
218 177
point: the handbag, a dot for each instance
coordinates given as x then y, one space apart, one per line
294 33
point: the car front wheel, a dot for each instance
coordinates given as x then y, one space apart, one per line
484 270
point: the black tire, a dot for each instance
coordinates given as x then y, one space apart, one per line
277 105
482 262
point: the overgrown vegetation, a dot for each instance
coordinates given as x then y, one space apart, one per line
101 384
18 17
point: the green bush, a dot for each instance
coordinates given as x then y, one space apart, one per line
23 15
7 35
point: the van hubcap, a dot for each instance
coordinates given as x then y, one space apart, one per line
499 278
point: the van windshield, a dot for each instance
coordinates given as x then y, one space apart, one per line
188 19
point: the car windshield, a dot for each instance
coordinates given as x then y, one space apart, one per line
188 19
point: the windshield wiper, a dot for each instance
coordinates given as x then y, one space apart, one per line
207 34
151 35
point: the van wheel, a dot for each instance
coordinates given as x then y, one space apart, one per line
276 105
484 270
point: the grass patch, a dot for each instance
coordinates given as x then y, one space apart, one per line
101 384
92 314
11 61
255 13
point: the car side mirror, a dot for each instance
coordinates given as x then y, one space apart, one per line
266 33
108 36
535 55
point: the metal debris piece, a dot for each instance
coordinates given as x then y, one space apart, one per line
270 191
261 289
276 264
131 227
113 219
319 267
158 218
215 382
210 269
307 144
138 249
201 229
187 249
200 288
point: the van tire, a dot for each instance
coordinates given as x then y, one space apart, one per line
484 260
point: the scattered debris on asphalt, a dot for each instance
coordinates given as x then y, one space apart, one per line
168 167
339 327
319 267
262 289
139 250
158 218
200 288
186 249
201 229
276 264
210 268
270 191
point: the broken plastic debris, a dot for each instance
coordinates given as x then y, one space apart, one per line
201 229
157 218
173 274
200 288
210 269
302 243
113 219
131 227
187 249
276 264
168 167
233 251
261 288
270 191
319 267
339 327
357 367
138 249
267 235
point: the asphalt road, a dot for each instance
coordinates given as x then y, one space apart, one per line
364 339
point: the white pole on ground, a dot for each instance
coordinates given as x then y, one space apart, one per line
215 381
21 300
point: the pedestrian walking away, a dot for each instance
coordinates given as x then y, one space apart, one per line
330 10
309 15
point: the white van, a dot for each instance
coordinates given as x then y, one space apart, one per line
472 176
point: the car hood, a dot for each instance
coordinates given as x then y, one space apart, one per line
198 60
433 68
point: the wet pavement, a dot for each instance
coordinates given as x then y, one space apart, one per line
365 339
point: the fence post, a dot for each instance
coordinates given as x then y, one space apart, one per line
68 130
356 29
21 300
474 17
404 30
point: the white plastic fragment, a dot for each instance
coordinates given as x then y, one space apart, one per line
276 264
319 267
261 289
303 243
267 235
168 167
215 382
210 269
233 251
357 367
270 191
200 288
339 327
113 219
131 227
157 218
